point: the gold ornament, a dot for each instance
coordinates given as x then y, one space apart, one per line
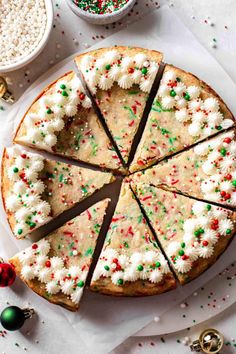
210 342
4 93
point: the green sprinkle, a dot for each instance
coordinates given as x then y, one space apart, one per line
172 93
49 111
208 207
158 264
223 151
89 251
144 71
15 169
63 87
182 244
228 231
108 67
120 282
187 96
19 231
234 182
126 244
80 284
61 178
64 93
106 267
140 267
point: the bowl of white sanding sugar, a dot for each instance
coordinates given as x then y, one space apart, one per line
25 27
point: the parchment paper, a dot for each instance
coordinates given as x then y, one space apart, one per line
105 322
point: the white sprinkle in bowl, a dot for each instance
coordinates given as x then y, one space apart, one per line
24 60
104 19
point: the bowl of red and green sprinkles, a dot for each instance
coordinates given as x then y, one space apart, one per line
101 12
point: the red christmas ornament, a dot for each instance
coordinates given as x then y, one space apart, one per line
7 274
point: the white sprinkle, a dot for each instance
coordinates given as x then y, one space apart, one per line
58 46
75 253
183 305
195 294
157 319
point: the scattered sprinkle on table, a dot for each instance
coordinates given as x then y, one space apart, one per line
100 7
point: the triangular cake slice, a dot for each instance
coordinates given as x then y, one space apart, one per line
131 263
62 121
57 266
120 78
206 171
35 189
186 110
193 234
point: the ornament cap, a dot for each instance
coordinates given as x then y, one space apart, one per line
4 93
210 342
28 313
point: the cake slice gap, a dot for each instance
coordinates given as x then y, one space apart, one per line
57 266
206 171
131 263
62 121
185 111
193 234
35 190
120 80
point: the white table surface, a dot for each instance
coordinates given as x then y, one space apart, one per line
207 20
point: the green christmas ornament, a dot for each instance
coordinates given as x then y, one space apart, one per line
12 318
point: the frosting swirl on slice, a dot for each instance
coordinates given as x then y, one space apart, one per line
204 116
25 198
114 67
198 241
219 168
150 265
67 96
36 264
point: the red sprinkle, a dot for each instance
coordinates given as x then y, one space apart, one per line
48 264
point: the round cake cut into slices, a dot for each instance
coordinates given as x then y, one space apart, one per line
186 110
120 79
36 190
57 266
192 234
62 121
206 171
131 263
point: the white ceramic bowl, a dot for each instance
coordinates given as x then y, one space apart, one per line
101 19
27 59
